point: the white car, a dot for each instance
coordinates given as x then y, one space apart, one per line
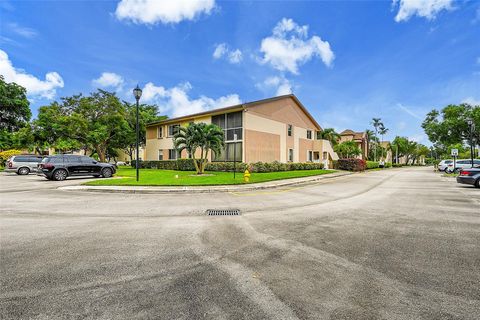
462 164
443 165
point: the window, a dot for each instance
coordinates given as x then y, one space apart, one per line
160 154
85 159
173 129
290 130
290 155
160 132
309 134
231 123
172 154
319 135
309 156
232 151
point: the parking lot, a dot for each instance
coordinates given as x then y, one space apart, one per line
393 244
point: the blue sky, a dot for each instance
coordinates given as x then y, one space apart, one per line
347 61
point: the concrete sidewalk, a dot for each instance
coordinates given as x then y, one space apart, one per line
206 189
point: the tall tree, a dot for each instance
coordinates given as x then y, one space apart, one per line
450 125
383 131
14 111
377 123
202 138
147 114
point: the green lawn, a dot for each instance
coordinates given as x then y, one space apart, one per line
155 177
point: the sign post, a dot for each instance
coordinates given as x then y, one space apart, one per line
454 153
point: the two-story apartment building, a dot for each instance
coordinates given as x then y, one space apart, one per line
274 129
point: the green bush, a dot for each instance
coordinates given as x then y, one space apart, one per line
225 166
352 164
185 165
388 164
397 165
373 164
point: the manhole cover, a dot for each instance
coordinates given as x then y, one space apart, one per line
223 212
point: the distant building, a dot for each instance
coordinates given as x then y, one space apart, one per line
360 138
275 129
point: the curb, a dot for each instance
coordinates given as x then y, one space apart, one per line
204 189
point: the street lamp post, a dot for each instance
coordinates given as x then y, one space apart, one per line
137 92
234 154
471 128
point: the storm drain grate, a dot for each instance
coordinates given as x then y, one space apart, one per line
223 212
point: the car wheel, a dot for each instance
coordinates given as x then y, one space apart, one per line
107 173
23 171
477 184
60 175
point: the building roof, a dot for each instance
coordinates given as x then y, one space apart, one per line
356 135
238 107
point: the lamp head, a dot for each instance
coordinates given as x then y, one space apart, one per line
137 92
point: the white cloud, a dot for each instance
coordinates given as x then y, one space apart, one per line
35 87
155 11
472 101
289 47
108 80
423 8
22 31
176 101
281 85
233 56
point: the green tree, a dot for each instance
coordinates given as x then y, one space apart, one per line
347 149
329 134
383 131
449 126
14 112
377 123
200 137
146 114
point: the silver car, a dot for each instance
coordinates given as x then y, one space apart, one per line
462 164
23 164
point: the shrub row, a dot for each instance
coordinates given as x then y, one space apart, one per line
187 165
373 164
276 166
351 164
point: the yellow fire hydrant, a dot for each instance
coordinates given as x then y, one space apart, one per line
246 176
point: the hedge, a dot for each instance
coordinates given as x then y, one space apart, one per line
351 164
373 164
187 165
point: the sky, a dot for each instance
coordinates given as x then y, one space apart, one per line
347 61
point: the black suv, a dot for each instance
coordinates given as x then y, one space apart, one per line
59 167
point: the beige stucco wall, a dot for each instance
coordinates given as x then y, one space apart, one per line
257 123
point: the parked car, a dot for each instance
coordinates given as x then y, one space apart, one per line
59 167
443 165
462 164
470 176
23 164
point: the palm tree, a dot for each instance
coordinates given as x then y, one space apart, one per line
382 132
377 123
206 137
329 134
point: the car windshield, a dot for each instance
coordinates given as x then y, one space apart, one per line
448 161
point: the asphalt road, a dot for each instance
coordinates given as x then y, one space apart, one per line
394 244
